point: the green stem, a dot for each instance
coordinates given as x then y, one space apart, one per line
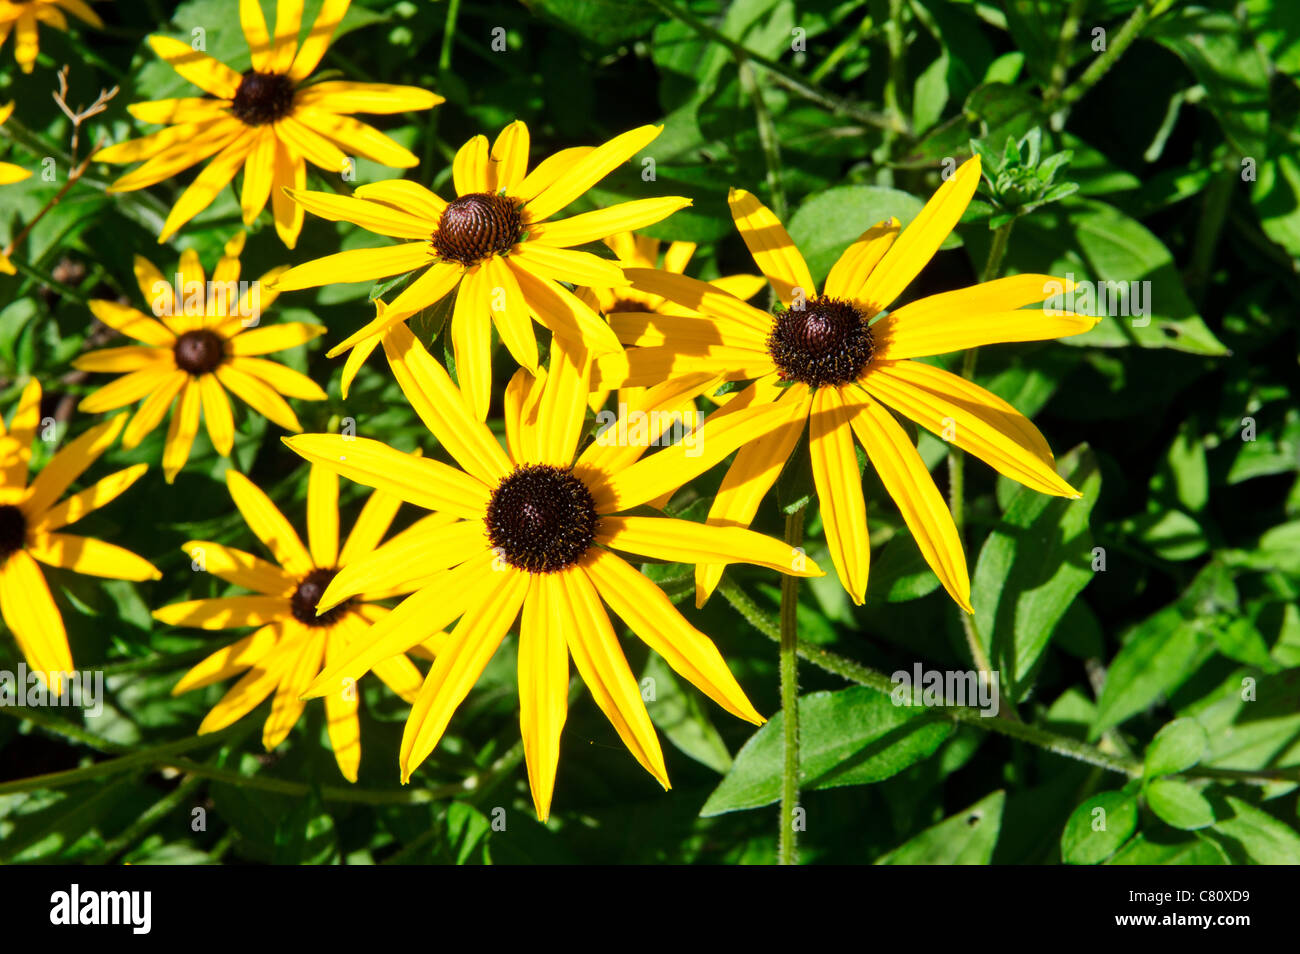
851 42
766 137
1069 30
1218 197
788 639
783 75
896 79
448 34
147 820
1129 32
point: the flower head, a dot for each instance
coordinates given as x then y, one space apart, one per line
534 533
205 344
269 120
836 360
21 16
31 518
292 643
493 245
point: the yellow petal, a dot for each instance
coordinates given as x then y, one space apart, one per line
976 420
674 466
228 612
229 660
258 395
341 722
471 342
180 433
547 171
510 155
600 661
371 525
323 516
287 705
543 671
318 38
240 568
569 265
32 617
429 545
593 226
773 250
92 498
152 409
586 171
425 483
433 396
210 75
897 338
491 607
372 216
216 176
703 297
90 556
645 609
132 323
265 519
563 405
906 479
344 96
850 271
216 414
363 139
839 490
681 541
71 461
921 239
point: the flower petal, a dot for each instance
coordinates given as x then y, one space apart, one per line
839 490
543 673
774 251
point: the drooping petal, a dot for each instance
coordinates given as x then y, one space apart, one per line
648 612
839 490
923 508
31 615
543 675
492 605
600 661
976 420
182 430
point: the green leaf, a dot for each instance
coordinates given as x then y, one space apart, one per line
967 838
1183 850
1179 805
1169 534
678 713
1254 836
1033 565
829 222
1095 242
1098 827
1176 748
850 737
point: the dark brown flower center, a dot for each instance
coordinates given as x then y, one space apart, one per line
13 530
262 98
826 342
199 352
476 226
541 518
308 594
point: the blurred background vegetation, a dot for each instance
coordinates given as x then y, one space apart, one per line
1180 124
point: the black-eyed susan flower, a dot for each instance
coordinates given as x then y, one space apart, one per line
21 16
204 342
535 532
493 245
270 120
31 520
9 174
837 361
291 643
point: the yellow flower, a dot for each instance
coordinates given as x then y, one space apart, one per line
291 642
20 16
268 120
640 251
835 361
9 173
493 243
30 521
205 345
535 531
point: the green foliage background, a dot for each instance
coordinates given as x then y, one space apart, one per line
1177 665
